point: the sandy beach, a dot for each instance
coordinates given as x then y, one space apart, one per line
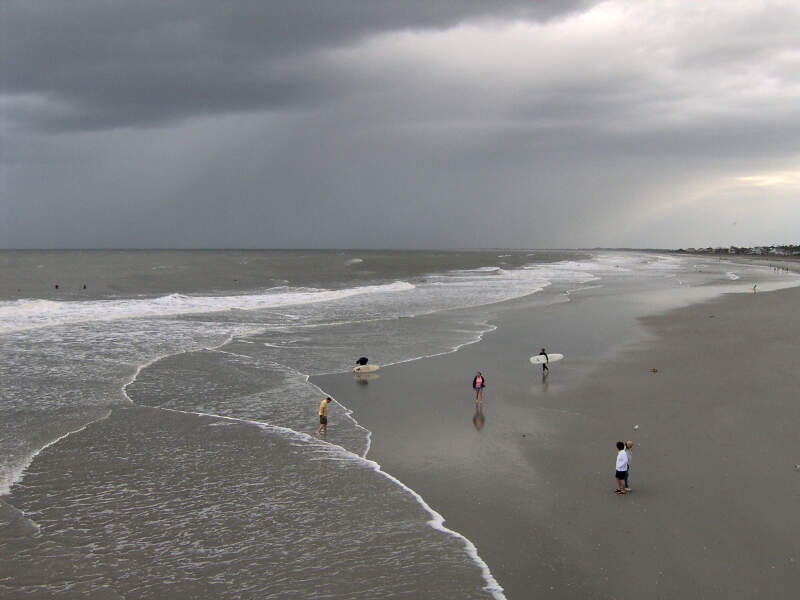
171 451
712 388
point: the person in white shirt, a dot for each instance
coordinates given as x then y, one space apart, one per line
622 468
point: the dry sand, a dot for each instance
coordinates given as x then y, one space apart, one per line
715 507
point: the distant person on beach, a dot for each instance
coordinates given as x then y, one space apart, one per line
323 415
622 468
362 361
545 367
478 383
628 448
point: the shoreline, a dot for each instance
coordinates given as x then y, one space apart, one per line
542 453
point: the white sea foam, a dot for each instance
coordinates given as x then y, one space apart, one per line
479 270
583 288
16 473
478 337
28 314
136 373
622 263
436 521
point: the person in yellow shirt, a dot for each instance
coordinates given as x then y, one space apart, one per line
323 415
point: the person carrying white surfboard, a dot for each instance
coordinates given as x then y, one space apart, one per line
545 367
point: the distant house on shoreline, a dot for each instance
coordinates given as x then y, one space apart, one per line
775 250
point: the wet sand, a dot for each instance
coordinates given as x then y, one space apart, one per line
713 511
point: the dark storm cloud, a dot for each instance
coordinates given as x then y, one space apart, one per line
102 64
399 124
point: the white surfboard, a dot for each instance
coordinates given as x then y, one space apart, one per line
365 368
539 358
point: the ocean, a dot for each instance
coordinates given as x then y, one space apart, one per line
157 419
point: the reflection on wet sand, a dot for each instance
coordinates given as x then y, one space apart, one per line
478 419
365 378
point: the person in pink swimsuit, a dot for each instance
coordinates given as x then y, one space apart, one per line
478 383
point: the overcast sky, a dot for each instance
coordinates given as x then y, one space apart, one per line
402 123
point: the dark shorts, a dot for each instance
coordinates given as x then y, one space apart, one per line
323 420
621 474
477 387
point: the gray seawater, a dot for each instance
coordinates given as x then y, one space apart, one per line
157 424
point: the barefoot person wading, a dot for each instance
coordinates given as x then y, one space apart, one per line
323 416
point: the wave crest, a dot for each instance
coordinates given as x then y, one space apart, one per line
29 314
